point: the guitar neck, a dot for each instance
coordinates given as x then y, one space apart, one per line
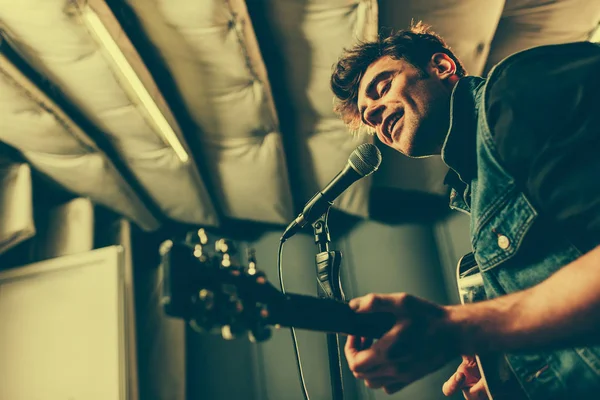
327 315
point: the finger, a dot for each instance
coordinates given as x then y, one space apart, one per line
452 385
352 342
378 302
400 343
469 360
470 368
476 392
358 343
351 349
364 360
378 354
471 371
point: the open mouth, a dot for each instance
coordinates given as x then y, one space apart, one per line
391 124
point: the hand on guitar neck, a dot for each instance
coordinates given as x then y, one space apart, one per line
421 341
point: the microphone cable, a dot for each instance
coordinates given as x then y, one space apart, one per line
292 330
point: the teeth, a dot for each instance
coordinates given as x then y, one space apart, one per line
391 124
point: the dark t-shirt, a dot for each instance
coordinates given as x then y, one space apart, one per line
543 109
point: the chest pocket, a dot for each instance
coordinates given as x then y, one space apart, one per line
499 231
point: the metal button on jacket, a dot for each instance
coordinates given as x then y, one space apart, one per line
503 242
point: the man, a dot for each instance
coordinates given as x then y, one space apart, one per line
523 151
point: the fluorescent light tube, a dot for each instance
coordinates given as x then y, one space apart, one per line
158 119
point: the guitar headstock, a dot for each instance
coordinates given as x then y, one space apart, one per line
206 283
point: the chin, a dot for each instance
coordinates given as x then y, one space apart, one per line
415 152
417 143
406 147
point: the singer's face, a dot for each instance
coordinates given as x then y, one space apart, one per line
409 110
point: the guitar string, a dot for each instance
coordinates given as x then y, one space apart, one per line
292 330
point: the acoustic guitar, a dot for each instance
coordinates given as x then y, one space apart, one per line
499 381
204 283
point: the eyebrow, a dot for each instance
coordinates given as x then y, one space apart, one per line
376 79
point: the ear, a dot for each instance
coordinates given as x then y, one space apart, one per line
442 66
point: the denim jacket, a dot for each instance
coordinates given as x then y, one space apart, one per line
514 245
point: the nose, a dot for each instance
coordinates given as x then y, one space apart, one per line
374 114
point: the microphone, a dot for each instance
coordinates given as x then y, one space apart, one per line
362 162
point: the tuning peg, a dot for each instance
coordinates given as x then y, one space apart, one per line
252 270
199 237
263 311
235 326
251 255
199 253
224 246
226 260
259 334
202 236
165 247
197 327
260 331
206 299
226 332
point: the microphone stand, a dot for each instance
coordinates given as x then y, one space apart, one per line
329 286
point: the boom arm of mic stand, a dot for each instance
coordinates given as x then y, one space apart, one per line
329 286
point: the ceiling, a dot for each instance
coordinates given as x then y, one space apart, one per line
199 111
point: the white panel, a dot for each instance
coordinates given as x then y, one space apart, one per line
211 51
65 229
62 331
16 205
311 35
54 37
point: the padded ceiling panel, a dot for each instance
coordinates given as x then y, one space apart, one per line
56 146
53 38
211 51
527 23
310 36
257 111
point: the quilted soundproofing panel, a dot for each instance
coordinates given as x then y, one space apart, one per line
309 36
253 78
57 147
211 52
57 39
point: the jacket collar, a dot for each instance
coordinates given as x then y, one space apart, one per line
458 150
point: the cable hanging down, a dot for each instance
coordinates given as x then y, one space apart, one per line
292 330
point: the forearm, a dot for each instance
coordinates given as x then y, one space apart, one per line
564 310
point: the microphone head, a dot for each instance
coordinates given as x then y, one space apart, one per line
365 159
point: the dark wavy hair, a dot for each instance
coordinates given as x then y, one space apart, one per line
416 45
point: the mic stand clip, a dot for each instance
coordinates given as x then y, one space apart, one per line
328 265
